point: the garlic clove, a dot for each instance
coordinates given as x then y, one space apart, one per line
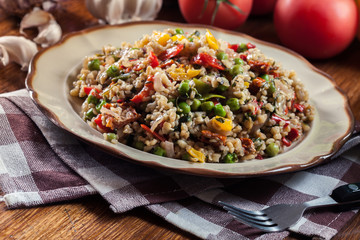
49 30
17 49
120 11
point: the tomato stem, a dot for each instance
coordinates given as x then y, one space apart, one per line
218 2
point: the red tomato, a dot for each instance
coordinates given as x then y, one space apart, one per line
262 7
316 28
226 17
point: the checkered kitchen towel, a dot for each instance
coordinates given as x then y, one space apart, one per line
40 164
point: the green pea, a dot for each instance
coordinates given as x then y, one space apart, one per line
242 47
236 70
112 71
139 145
201 86
272 149
159 151
184 88
272 87
179 31
89 114
191 39
219 110
195 105
233 103
99 106
265 77
221 56
111 136
239 61
184 107
186 156
92 99
94 65
207 106
230 158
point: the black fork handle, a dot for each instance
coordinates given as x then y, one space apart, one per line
346 194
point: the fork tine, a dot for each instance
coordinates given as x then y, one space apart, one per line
240 213
239 210
267 222
259 226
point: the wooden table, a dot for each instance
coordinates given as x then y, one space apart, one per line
90 218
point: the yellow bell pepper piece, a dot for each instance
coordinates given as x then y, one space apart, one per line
221 124
184 74
197 155
177 37
246 84
211 40
162 38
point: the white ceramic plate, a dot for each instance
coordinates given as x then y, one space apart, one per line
53 70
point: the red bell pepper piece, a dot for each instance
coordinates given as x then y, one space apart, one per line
98 122
250 45
234 47
258 156
158 136
243 57
293 134
153 60
286 142
206 60
278 119
145 92
96 91
299 107
171 52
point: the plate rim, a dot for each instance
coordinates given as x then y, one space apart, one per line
316 160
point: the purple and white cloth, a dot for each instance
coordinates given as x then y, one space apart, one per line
40 164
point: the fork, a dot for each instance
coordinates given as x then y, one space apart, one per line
282 216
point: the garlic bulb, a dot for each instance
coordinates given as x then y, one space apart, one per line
49 30
21 7
120 11
17 49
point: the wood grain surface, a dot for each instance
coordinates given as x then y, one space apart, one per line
90 218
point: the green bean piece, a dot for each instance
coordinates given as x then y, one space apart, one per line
195 105
233 103
159 151
113 71
222 88
139 145
219 110
94 65
265 77
207 106
201 86
111 136
272 87
230 158
179 31
184 107
186 156
89 114
100 104
236 70
221 56
184 87
92 99
272 149
239 61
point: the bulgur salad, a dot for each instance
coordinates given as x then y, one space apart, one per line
191 96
